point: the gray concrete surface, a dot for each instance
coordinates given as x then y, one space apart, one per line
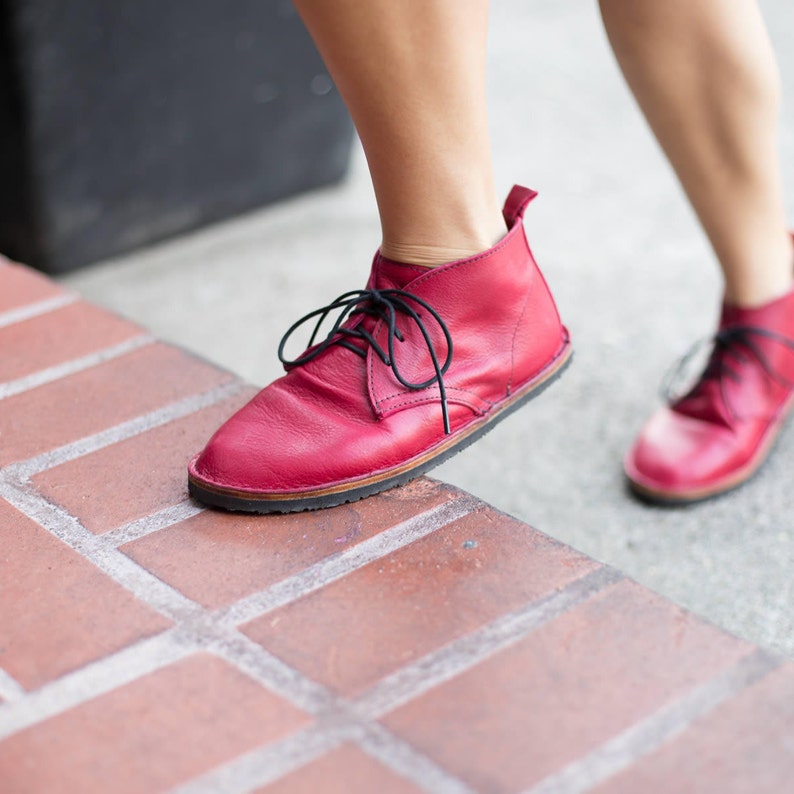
634 280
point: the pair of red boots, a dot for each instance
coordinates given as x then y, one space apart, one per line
425 360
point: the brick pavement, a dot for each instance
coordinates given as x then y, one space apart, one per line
416 641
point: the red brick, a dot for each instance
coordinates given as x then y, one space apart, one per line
136 477
744 745
70 332
565 689
98 398
347 770
150 735
368 624
19 286
57 611
217 558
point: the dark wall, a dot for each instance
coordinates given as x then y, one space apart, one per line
130 120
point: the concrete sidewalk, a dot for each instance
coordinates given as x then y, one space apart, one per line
634 280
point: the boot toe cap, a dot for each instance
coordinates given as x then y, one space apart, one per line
679 456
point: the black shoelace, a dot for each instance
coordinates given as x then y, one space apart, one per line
382 305
731 345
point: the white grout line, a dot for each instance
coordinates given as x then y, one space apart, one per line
121 432
261 766
152 523
464 653
10 689
93 680
143 584
408 762
268 763
272 762
336 723
214 632
339 720
258 663
50 374
198 628
31 310
331 568
648 734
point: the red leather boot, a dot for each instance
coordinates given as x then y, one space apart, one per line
416 367
717 435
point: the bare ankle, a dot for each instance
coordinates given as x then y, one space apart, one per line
435 255
750 288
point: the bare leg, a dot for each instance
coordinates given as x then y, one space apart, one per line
705 76
413 76
425 362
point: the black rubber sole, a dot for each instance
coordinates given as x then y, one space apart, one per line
238 503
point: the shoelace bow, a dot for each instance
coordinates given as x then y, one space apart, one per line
731 345
383 305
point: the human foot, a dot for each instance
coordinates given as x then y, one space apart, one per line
716 436
422 363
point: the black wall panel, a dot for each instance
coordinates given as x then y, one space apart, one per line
125 121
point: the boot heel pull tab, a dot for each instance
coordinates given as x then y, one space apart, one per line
516 204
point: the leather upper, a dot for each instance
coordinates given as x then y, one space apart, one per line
714 436
342 416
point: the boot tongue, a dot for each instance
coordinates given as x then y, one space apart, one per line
388 274
385 274
705 402
736 315
776 315
707 399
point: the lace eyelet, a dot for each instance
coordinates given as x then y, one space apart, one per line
380 305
